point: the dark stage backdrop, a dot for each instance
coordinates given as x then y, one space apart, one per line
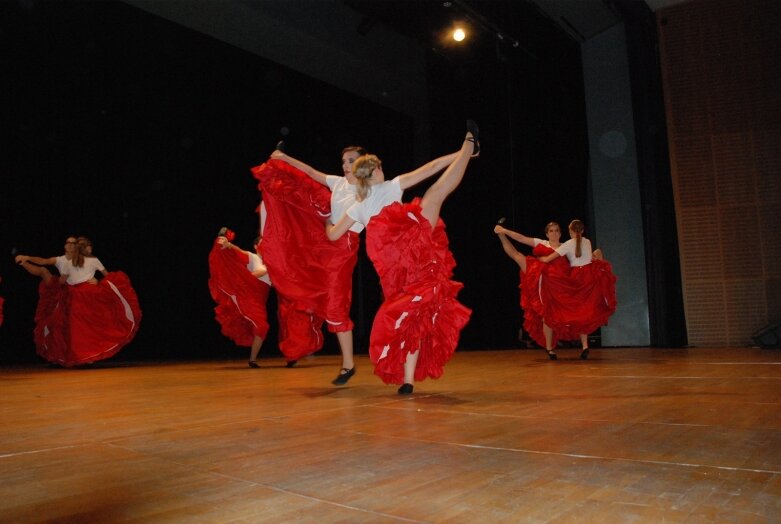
139 134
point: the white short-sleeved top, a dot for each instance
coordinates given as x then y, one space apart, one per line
538 241
78 275
342 198
380 195
568 249
255 263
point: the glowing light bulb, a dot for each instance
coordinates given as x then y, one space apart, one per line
459 35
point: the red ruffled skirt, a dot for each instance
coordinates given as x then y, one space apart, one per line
240 297
85 323
571 301
583 302
534 309
312 275
420 310
296 251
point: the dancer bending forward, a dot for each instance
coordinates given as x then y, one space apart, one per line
240 286
416 329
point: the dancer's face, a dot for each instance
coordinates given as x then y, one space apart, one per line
347 165
86 248
70 245
553 233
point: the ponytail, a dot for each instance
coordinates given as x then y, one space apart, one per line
576 229
363 168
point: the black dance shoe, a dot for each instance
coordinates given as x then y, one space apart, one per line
343 376
290 363
552 355
253 364
405 389
471 126
584 354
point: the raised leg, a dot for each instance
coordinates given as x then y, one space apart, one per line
446 183
38 271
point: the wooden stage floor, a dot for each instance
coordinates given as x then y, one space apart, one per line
631 435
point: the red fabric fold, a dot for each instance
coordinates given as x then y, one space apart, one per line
297 252
572 301
240 297
85 323
420 310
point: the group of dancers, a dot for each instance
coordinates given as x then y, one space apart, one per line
310 226
568 291
80 319
307 249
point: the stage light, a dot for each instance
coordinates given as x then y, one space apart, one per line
459 34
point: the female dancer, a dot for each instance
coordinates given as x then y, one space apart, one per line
78 319
340 266
296 253
531 273
589 298
240 285
416 329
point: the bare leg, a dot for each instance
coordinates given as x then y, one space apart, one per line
584 345
548 332
447 182
38 271
345 339
254 350
409 372
513 253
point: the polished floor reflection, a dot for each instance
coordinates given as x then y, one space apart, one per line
630 435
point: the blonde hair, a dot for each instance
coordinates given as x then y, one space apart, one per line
577 227
363 167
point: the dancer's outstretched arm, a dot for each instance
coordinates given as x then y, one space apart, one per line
425 171
548 258
317 176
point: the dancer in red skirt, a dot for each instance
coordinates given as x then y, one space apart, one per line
78 319
416 329
341 266
587 298
531 273
240 285
301 260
